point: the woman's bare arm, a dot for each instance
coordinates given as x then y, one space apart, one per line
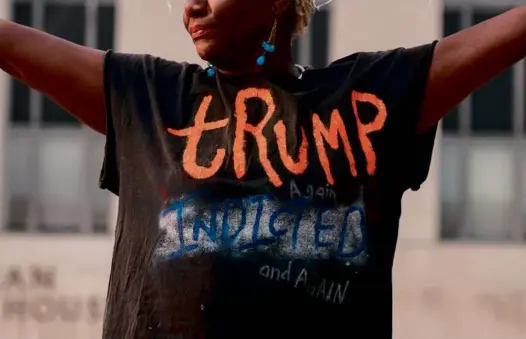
468 59
70 74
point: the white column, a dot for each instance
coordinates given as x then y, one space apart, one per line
370 25
154 27
5 13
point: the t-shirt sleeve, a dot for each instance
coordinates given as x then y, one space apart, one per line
133 85
119 72
398 78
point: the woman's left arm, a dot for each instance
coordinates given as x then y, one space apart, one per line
464 61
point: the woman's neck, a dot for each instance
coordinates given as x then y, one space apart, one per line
278 63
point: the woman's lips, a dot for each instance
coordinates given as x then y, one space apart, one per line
198 32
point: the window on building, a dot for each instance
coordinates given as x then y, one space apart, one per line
296 50
319 47
492 104
54 161
312 48
483 176
451 25
22 14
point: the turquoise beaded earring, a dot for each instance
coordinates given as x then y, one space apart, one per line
268 46
211 70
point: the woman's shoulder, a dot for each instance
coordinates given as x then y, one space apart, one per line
374 67
150 65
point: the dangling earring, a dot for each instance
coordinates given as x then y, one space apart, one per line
211 70
268 46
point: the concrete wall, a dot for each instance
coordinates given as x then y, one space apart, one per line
53 287
454 291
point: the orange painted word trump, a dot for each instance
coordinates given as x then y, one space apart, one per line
331 135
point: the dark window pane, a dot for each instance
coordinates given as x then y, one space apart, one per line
19 92
18 212
67 22
22 13
100 228
492 105
296 50
54 115
57 229
452 22
451 25
20 97
450 123
106 27
319 34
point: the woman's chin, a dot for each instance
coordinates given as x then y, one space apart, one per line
206 49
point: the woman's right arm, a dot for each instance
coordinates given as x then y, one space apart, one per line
70 74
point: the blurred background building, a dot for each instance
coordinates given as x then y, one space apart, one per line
460 270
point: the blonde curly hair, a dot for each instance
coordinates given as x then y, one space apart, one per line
304 10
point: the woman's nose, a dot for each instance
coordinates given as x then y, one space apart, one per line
196 8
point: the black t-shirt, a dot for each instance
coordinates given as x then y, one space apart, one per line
257 208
